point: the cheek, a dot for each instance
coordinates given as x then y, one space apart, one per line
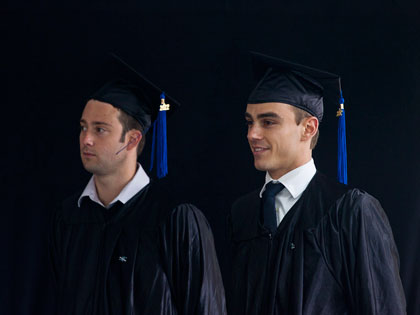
284 142
278 139
111 146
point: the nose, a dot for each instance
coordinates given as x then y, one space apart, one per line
254 132
86 138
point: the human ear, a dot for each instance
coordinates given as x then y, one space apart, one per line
310 125
135 137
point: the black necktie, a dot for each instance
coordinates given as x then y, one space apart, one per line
269 207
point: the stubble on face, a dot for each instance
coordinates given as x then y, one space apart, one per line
99 138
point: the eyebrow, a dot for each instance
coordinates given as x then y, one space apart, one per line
264 115
268 115
96 123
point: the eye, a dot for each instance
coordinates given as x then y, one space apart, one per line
268 123
100 130
248 123
83 128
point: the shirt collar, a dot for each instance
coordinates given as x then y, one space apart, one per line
139 181
296 180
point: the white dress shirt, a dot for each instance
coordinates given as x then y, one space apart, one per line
295 182
139 181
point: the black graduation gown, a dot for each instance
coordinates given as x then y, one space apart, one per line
333 253
145 257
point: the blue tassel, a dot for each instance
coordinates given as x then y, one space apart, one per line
159 144
342 147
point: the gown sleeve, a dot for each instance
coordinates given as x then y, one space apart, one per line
372 260
191 263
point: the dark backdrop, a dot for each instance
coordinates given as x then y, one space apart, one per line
197 51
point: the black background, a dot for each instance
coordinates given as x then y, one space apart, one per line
198 52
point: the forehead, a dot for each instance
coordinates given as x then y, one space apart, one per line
281 109
99 111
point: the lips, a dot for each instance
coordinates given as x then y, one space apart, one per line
257 150
88 154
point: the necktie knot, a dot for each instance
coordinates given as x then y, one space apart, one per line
272 189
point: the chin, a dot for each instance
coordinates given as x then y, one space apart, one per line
260 166
89 167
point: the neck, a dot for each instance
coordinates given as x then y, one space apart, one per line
109 186
276 174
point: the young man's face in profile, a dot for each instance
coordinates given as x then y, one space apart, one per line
274 137
100 133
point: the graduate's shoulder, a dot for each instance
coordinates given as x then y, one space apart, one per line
172 208
249 201
160 197
334 187
326 188
357 204
337 192
349 203
67 210
359 216
186 215
71 200
67 206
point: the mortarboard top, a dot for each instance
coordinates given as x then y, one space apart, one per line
127 89
294 84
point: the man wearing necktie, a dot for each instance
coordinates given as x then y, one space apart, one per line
305 244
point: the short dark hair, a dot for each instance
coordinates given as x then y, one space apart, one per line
300 115
128 123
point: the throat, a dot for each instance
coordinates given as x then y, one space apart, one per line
108 193
109 187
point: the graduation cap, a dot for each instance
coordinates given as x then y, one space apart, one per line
132 92
302 87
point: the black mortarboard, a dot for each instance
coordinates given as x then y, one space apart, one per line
127 89
294 84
